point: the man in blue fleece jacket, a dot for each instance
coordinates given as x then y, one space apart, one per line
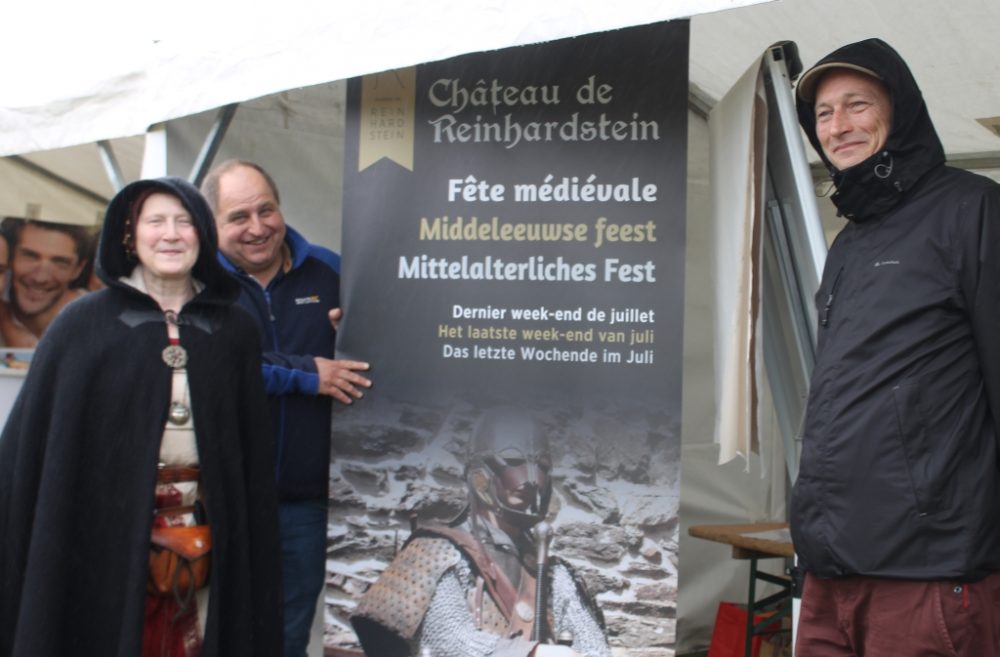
292 289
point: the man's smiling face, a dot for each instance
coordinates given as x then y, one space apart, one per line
853 116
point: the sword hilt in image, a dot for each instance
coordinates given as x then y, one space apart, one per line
543 534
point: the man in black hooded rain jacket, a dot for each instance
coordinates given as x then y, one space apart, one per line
896 511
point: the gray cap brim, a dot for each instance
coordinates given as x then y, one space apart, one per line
806 86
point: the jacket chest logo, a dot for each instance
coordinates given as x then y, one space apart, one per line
886 263
301 301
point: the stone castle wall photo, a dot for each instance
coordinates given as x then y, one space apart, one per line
614 511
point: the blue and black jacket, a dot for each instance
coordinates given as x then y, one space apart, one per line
291 314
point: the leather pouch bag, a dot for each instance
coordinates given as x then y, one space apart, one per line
179 560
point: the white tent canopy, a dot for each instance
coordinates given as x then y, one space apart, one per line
106 71
219 54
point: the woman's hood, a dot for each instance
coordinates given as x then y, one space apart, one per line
113 261
911 148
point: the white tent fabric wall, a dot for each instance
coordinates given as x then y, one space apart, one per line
298 136
38 197
950 47
713 493
67 185
736 190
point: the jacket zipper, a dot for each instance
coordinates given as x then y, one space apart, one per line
828 306
280 456
270 315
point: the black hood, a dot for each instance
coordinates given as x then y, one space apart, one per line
878 184
113 262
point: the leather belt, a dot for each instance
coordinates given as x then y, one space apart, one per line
171 474
174 510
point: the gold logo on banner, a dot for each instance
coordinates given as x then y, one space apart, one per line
387 111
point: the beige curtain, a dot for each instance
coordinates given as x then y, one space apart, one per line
738 126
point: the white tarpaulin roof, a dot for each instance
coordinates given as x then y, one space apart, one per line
130 71
106 70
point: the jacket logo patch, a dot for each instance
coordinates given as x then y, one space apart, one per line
304 300
886 263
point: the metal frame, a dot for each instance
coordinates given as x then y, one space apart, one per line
213 140
794 251
111 166
780 603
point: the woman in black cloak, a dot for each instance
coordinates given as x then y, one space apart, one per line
143 407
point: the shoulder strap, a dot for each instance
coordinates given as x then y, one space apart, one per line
497 583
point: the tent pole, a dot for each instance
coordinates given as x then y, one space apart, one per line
796 252
154 156
111 166
212 142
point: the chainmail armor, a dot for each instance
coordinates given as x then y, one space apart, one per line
573 612
449 629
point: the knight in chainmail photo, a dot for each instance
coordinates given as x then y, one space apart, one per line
485 583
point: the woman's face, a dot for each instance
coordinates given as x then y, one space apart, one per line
166 240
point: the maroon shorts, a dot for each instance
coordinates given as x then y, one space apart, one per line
871 617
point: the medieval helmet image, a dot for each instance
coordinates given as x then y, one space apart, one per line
508 468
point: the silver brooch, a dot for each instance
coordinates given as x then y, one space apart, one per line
179 413
175 356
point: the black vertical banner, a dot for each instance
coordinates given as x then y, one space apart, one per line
514 237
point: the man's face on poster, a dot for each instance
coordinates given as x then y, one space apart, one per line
523 479
44 263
